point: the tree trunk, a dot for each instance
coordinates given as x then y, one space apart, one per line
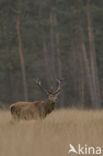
86 63
58 60
79 67
46 62
52 47
20 50
93 58
88 74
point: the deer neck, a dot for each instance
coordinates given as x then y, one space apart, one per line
49 106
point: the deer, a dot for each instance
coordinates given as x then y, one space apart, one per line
37 109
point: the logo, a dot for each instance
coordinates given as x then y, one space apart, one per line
85 149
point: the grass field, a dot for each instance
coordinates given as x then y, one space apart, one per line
52 136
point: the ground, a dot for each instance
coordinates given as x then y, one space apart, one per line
52 136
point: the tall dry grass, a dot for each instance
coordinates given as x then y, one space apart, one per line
52 136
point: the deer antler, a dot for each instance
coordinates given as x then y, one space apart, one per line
40 86
59 87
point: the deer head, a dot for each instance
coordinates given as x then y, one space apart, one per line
52 95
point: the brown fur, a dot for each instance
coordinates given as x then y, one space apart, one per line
32 110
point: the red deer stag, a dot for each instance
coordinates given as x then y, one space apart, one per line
36 109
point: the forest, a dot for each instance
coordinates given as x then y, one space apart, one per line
49 40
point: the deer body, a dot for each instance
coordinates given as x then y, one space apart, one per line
32 110
36 109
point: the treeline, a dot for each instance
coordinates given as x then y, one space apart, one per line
51 40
